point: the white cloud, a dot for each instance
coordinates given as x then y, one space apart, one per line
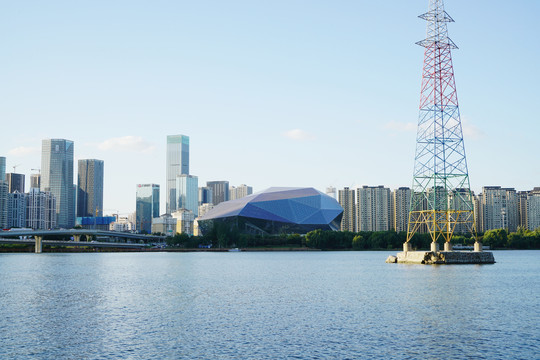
298 135
126 143
23 151
470 131
400 126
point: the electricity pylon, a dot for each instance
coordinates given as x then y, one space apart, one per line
441 197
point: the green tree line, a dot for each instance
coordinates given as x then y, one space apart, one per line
222 236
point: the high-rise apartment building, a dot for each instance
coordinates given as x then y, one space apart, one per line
522 204
240 191
187 192
498 208
3 194
57 178
40 210
346 199
373 208
220 191
147 206
177 164
206 195
401 204
90 188
533 209
15 182
16 210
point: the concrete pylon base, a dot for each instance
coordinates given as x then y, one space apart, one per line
407 246
434 247
477 246
447 246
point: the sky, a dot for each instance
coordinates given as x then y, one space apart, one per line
271 93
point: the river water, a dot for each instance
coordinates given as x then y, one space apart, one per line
266 305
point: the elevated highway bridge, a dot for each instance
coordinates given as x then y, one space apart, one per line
115 238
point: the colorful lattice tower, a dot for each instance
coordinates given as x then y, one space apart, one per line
442 202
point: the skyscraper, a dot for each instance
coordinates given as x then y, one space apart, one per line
147 206
533 209
2 168
35 181
220 191
187 191
90 188
498 208
57 177
347 201
15 182
40 210
206 195
177 164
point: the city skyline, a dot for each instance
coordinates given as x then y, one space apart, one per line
264 91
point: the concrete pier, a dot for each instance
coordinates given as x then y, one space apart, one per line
442 257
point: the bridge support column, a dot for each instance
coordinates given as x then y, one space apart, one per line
39 244
76 238
434 246
407 246
447 246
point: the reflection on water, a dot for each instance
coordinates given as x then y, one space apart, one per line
266 306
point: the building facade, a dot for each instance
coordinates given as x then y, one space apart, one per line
147 206
177 164
533 209
347 201
3 194
16 210
90 188
373 208
206 195
57 178
165 224
15 182
40 210
184 221
35 181
187 192
401 204
498 208
239 192
220 191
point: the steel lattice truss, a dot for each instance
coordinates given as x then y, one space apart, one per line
441 197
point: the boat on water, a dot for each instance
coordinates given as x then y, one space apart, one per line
234 250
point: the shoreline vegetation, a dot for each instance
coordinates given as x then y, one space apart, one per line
224 239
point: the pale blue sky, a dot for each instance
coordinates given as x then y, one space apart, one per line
271 93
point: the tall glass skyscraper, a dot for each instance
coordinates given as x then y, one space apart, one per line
187 188
147 206
220 191
90 188
57 177
2 168
177 164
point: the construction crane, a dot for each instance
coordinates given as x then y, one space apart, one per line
15 168
38 170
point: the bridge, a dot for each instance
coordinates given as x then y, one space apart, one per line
116 238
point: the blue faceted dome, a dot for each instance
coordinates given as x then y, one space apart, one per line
277 210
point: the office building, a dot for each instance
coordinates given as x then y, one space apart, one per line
373 208
347 200
35 181
177 164
90 188
401 204
220 191
15 182
147 206
187 192
204 208
206 195
40 210
57 178
239 192
331 191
